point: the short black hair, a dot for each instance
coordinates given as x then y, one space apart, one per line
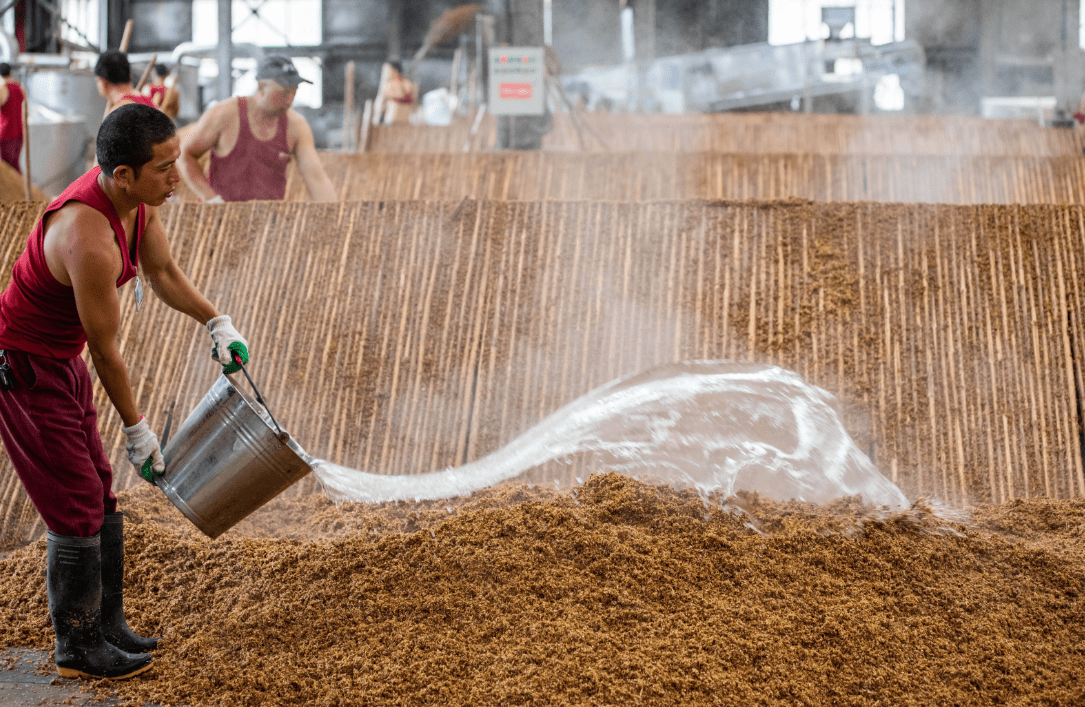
162 69
128 135
5 69
113 67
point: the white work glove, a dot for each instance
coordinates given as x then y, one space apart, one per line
227 342
144 451
216 199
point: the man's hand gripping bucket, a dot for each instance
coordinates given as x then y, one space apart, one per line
229 458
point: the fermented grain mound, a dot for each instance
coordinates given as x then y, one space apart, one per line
756 133
13 188
646 176
407 337
621 594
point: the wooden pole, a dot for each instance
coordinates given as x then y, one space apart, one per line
378 103
468 146
362 140
348 107
146 74
26 148
126 36
454 82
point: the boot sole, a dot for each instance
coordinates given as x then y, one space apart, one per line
73 673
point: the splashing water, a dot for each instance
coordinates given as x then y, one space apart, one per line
714 425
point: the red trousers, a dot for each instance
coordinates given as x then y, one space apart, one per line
50 429
9 152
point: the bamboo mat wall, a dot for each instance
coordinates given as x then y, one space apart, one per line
754 133
641 176
405 337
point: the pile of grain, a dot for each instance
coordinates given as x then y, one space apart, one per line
647 176
621 594
954 336
13 187
760 133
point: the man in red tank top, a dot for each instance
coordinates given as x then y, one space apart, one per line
63 293
11 117
164 98
113 74
252 140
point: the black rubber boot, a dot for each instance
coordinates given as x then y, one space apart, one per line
114 626
74 583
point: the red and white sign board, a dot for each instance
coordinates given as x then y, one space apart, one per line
517 81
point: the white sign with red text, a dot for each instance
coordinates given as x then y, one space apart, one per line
517 81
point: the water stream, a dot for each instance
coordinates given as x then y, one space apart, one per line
713 425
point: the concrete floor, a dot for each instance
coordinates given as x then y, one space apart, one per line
24 682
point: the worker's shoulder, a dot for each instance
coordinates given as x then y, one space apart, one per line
296 123
76 218
217 119
223 112
81 214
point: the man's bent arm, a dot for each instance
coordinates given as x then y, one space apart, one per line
195 145
167 280
93 280
312 170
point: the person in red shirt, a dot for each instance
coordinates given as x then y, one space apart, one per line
113 74
12 97
400 95
62 295
252 140
164 97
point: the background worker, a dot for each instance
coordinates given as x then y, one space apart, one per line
113 75
63 294
399 95
12 97
252 139
164 96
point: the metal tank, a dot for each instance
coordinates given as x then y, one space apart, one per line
68 91
58 147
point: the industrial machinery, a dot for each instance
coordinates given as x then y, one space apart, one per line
753 75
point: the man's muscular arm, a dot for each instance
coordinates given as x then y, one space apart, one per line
312 170
196 144
174 288
92 263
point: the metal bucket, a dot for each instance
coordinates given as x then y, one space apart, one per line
226 461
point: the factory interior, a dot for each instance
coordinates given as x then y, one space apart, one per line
603 352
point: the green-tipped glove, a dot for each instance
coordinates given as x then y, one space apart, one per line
227 342
144 451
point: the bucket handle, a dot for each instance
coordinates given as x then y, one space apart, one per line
169 424
259 398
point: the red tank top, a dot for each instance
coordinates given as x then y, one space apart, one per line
37 313
138 98
156 90
254 169
11 113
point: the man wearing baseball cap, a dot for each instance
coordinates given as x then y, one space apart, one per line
252 139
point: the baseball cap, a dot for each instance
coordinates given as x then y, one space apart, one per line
280 70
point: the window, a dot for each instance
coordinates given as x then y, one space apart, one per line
793 21
266 23
79 25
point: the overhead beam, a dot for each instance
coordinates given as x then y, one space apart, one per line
225 54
